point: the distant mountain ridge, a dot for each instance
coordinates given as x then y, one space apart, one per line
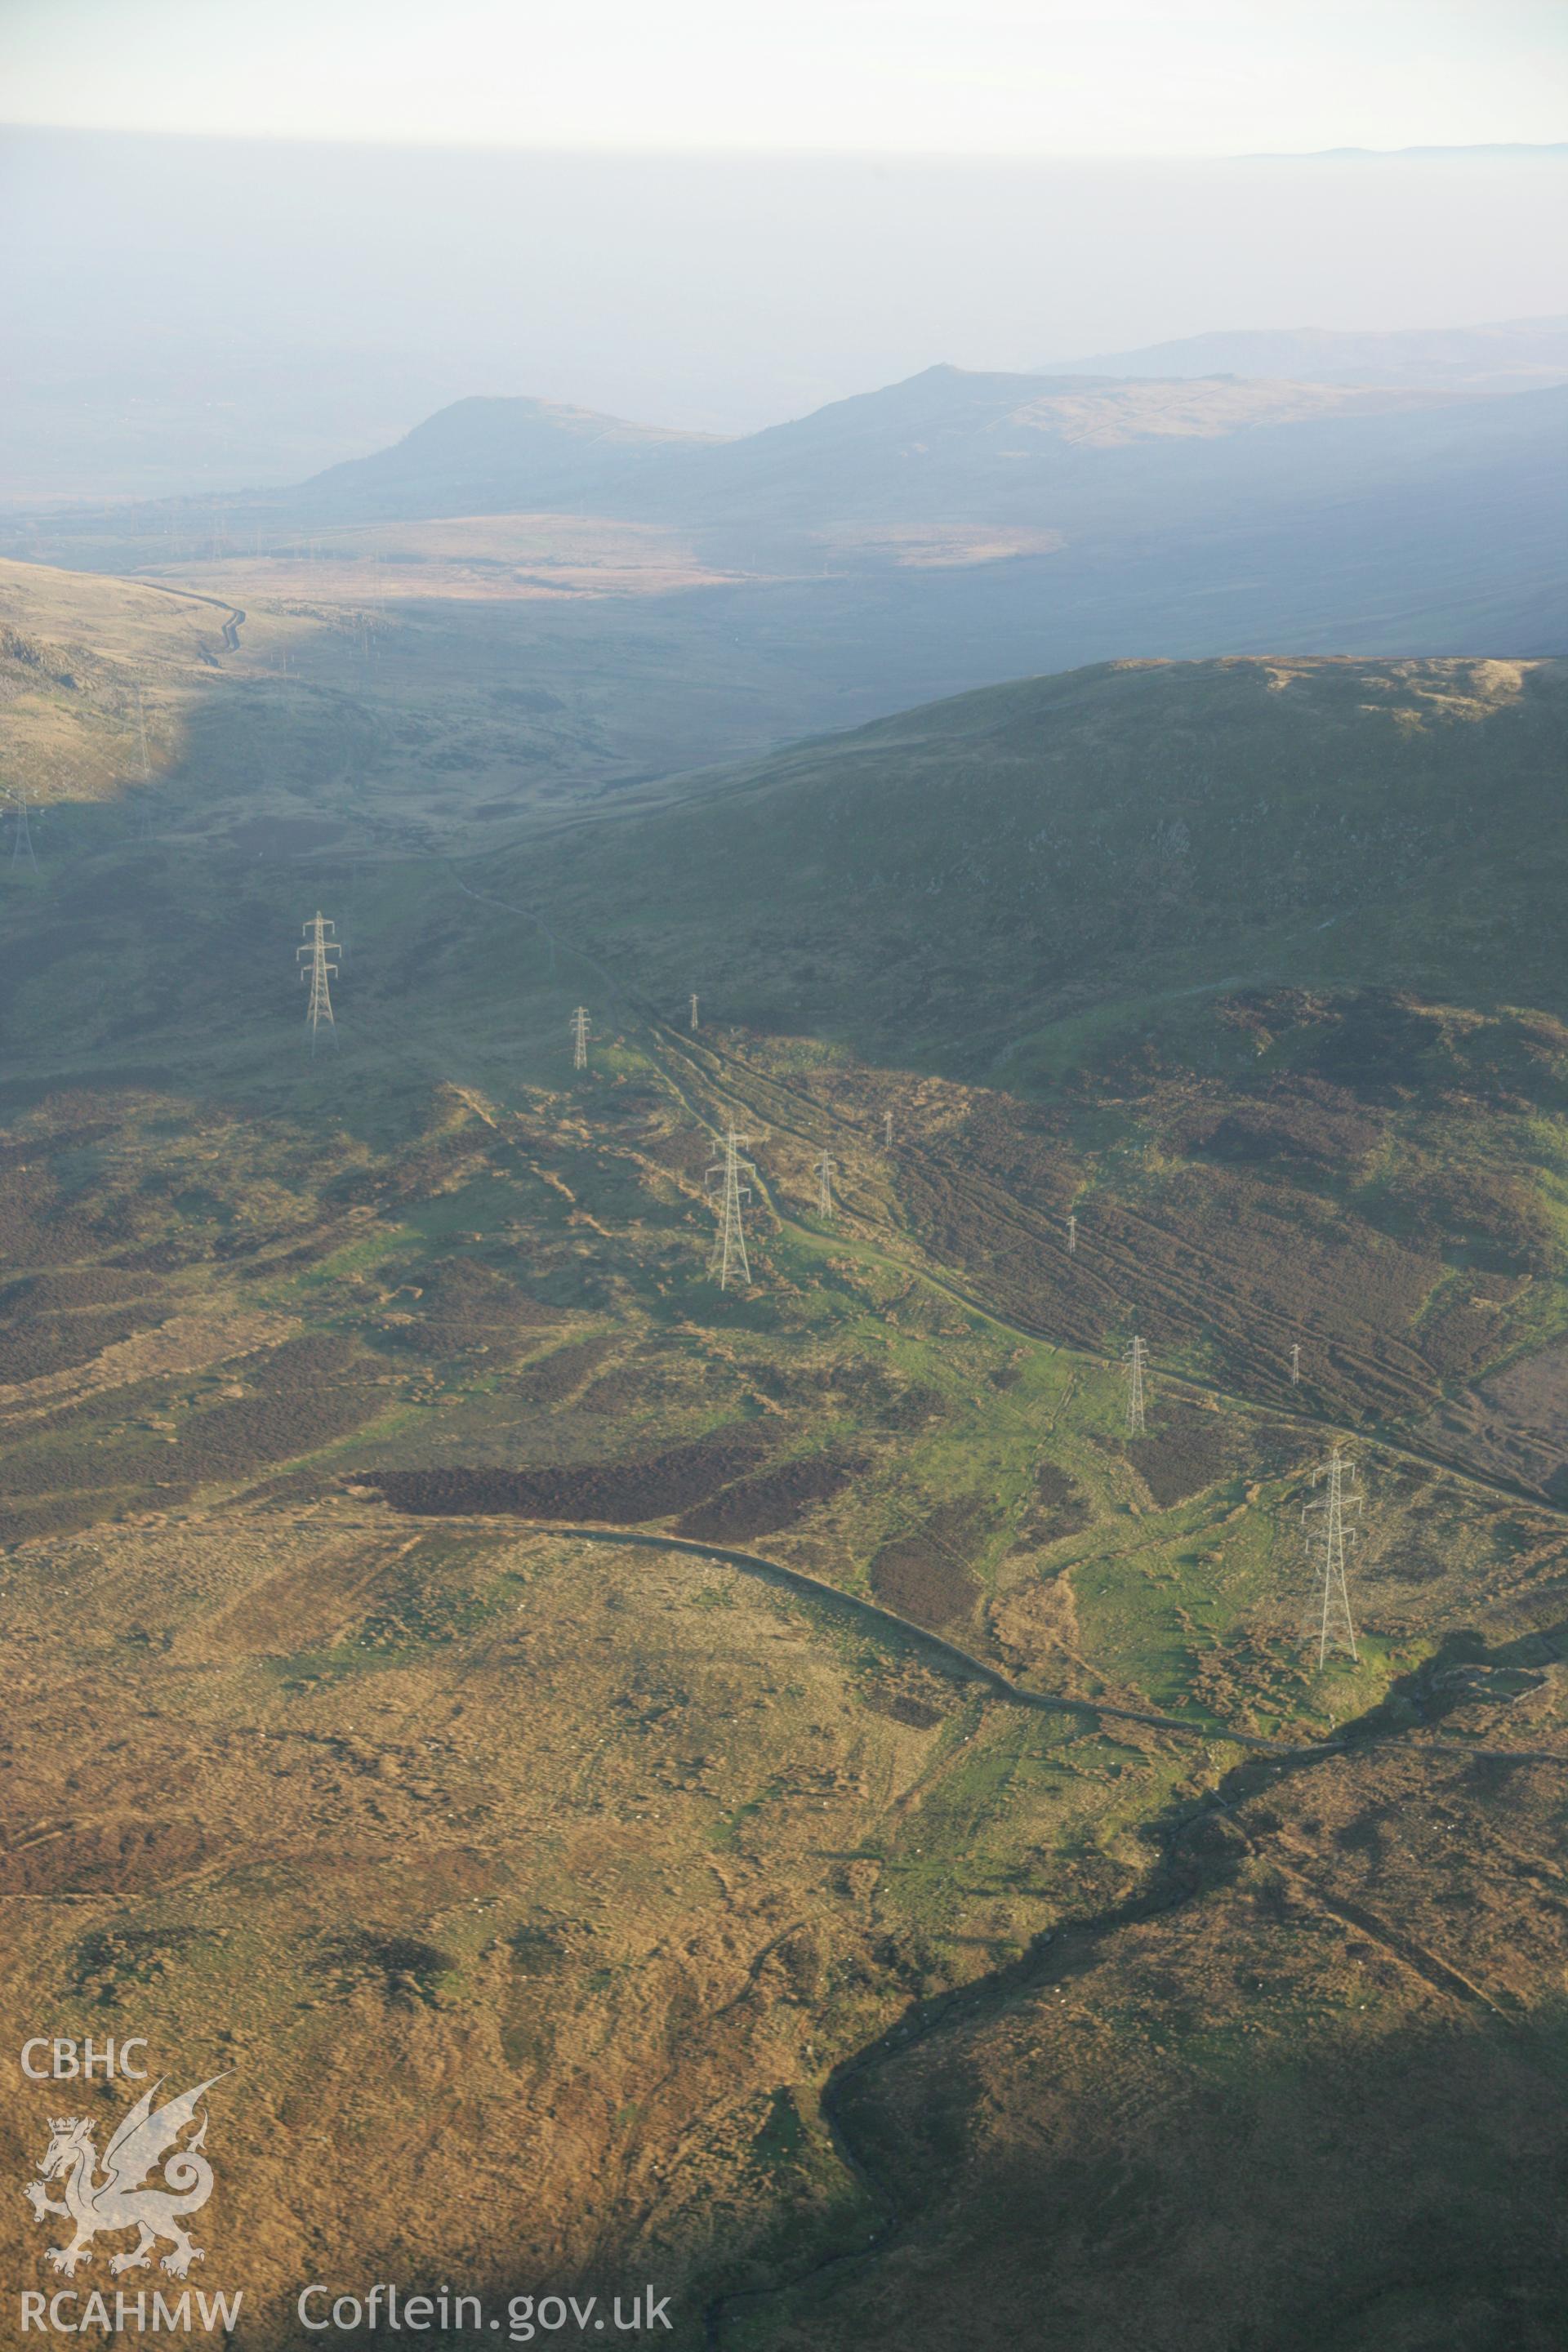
1513 355
492 456
950 444
964 526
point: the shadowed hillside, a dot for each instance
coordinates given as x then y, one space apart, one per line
1255 968
948 881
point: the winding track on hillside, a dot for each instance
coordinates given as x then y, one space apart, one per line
230 627
967 1667
1170 1885
957 1658
950 1656
1172 1882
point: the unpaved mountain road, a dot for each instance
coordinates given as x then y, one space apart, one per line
235 615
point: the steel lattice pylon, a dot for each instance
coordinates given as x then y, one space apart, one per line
1137 1358
22 839
1332 1604
728 1254
319 946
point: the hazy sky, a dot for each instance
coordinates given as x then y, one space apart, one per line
265 234
1026 77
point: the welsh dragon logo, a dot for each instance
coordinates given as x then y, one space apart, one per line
118 2201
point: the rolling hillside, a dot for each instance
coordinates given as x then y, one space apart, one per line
950 880
1092 453
1255 967
972 1833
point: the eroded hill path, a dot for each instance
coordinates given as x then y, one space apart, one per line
234 615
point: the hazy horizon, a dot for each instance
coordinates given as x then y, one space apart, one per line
181 319
1026 77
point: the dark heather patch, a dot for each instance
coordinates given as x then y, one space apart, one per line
773 1500
621 1493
